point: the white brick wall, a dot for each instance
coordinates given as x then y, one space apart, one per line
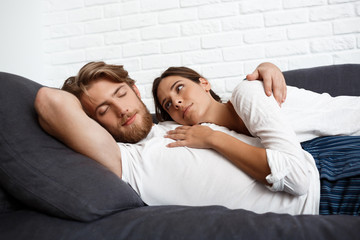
222 39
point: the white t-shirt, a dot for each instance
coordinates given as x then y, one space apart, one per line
197 177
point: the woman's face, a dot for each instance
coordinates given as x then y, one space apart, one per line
185 101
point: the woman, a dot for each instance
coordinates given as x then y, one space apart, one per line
279 162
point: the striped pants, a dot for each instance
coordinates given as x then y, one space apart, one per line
338 161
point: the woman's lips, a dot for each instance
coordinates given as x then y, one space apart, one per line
129 120
186 110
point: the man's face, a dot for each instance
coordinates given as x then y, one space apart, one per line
118 108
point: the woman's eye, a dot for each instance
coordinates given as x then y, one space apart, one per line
179 87
167 105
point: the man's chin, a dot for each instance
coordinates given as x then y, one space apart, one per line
137 131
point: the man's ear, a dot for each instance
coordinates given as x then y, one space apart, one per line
136 90
205 84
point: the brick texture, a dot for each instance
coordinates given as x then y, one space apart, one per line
222 39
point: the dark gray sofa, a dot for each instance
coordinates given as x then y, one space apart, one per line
48 191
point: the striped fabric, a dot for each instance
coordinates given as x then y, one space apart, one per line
338 161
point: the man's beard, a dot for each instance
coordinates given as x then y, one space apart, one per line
136 132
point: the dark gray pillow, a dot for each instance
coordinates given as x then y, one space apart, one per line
42 172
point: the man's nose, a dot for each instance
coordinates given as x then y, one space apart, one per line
120 110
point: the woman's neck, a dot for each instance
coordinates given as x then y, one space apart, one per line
224 114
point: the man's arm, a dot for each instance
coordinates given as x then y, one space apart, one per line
61 115
274 81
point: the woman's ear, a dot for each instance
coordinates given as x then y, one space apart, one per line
136 90
205 84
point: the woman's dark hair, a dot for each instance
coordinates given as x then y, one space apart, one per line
184 72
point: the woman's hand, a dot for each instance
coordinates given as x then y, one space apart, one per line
274 81
196 136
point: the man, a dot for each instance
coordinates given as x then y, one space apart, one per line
104 94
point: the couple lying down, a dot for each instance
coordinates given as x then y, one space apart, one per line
244 153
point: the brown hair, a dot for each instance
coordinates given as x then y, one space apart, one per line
185 72
92 71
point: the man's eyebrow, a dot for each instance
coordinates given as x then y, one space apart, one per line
171 88
105 102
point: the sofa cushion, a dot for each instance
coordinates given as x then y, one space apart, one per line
42 172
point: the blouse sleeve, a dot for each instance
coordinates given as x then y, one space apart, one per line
262 116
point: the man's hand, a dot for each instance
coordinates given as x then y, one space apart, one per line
274 81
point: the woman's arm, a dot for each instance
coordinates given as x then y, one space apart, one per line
252 160
281 163
61 115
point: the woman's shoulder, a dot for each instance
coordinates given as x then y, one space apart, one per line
253 86
248 90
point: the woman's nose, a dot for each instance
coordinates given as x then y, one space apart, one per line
178 103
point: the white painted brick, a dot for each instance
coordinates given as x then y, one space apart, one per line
146 76
222 40
341 1
85 14
57 5
148 92
231 83
191 3
98 2
200 28
161 61
221 70
358 42
149 103
310 30
265 35
286 17
287 49
138 20
244 53
250 66
180 45
56 72
156 5
347 26
119 10
160 32
218 86
56 45
120 37
68 57
201 57
178 15
303 3
102 26
130 64
103 53
331 12
332 44
218 10
347 57
141 49
86 41
310 61
357 6
67 30
56 18
251 6
243 22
